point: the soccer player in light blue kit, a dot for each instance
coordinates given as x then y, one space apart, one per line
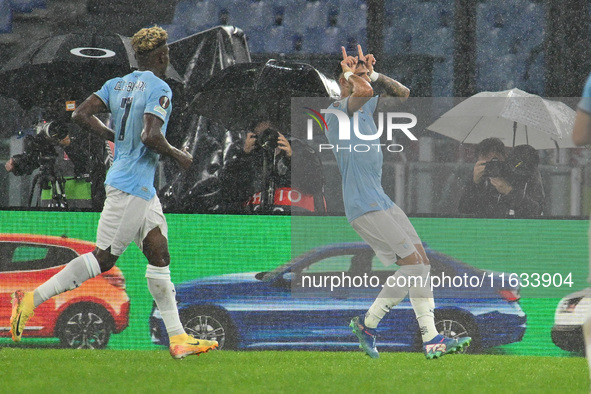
140 105
373 215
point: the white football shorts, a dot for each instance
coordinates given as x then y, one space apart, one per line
126 218
389 233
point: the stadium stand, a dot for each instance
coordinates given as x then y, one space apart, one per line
26 6
307 14
5 17
510 32
506 31
176 32
249 14
442 83
256 39
190 14
397 40
276 40
352 15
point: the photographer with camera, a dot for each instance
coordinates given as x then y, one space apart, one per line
70 162
504 186
258 177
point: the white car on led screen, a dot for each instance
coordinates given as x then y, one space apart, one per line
567 332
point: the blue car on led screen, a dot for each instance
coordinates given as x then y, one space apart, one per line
294 306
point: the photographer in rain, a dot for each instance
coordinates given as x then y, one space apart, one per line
504 186
258 176
70 162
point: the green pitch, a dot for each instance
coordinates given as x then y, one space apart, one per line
125 371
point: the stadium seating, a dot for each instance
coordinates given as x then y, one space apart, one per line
436 42
256 39
498 73
397 40
277 40
354 38
190 14
509 31
322 40
533 72
249 13
505 31
301 15
5 17
10 7
26 6
352 15
176 32
443 78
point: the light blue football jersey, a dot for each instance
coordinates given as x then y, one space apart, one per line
360 167
585 103
128 99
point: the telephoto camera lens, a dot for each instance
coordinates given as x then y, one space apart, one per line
55 130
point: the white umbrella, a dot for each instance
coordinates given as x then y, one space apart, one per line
514 116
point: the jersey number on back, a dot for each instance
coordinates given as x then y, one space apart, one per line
125 103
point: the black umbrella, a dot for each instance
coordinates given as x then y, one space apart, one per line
69 66
245 93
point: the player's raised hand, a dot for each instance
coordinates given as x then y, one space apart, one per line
368 59
360 51
348 63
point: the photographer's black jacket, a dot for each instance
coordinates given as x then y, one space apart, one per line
242 175
526 199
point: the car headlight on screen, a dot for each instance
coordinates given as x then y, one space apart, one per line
568 305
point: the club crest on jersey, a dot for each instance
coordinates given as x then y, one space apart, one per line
164 102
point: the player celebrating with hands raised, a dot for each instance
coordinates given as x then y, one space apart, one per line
373 215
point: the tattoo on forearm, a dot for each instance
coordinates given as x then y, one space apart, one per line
392 88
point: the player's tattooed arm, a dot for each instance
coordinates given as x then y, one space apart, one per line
392 88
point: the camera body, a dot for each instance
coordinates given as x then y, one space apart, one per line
40 147
497 169
512 170
268 139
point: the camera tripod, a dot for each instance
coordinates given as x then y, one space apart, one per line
47 179
268 186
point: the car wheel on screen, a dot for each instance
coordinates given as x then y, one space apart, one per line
456 326
84 326
210 324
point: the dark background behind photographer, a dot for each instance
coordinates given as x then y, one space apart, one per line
504 186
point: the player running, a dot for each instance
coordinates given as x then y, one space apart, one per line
140 105
373 215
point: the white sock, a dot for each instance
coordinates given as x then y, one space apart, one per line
421 298
391 294
162 290
73 275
